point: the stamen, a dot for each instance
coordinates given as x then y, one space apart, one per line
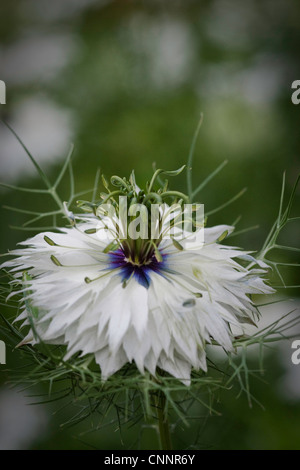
55 260
189 303
49 241
177 244
136 266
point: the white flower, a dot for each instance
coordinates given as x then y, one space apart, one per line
157 307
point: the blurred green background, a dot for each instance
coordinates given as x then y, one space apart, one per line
126 82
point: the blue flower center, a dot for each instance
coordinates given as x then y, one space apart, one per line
141 271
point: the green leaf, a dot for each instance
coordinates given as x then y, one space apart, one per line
207 180
190 159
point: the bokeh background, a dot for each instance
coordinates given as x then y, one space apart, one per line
126 82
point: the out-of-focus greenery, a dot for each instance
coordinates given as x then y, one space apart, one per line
134 76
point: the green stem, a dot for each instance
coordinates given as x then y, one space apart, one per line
190 160
163 423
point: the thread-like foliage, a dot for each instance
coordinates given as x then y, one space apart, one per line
131 395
